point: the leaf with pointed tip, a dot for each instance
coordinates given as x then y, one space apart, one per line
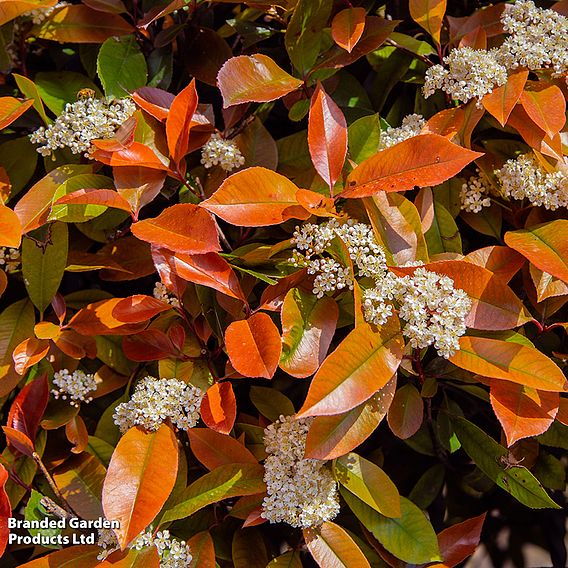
502 100
347 27
11 109
213 449
219 407
429 14
10 228
460 540
546 106
91 196
406 412
178 122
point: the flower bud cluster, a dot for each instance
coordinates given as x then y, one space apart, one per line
74 386
301 492
10 259
474 194
82 122
156 400
222 152
162 293
39 15
411 126
525 178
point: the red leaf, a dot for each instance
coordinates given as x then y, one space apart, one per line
522 411
347 27
140 477
422 161
502 100
19 441
546 106
148 345
11 109
255 78
138 308
155 102
202 551
254 346
219 407
10 228
178 122
255 197
107 197
28 407
28 353
5 510
460 541
213 449
184 228
406 412
327 136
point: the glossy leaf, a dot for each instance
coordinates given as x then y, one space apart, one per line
219 407
140 477
327 136
256 197
502 261
202 551
28 353
422 161
256 78
544 245
28 407
254 346
546 106
429 14
184 228
406 412
347 27
178 122
11 109
10 228
362 364
502 100
308 326
5 510
83 554
213 449
332 547
460 540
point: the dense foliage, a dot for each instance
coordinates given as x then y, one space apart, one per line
282 283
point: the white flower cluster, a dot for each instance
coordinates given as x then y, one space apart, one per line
538 38
474 194
82 122
470 73
41 14
222 152
301 492
312 240
411 126
525 178
434 311
74 386
155 400
162 293
10 259
173 553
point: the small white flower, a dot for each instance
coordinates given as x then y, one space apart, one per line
41 14
411 126
162 293
155 400
10 259
74 386
301 492
474 194
222 152
82 122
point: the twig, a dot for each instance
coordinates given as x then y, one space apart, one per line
52 484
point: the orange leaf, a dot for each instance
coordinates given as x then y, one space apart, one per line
140 477
10 228
77 434
327 136
316 203
11 109
202 551
429 14
138 308
3 282
90 196
219 407
147 557
332 547
460 541
148 345
422 161
19 441
80 24
83 555
256 197
253 346
255 78
362 364
330 437
137 154
213 449
446 123
494 305
178 122
138 185
509 361
184 228
5 510
502 261
544 245
523 411
10 9
546 106
28 407
406 412
155 102
502 100
347 27
28 353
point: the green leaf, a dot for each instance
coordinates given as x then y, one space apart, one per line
409 537
489 456
16 324
121 67
271 403
57 88
30 90
19 158
43 266
35 511
226 481
443 235
364 137
368 482
428 486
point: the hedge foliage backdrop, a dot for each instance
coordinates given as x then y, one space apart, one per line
282 283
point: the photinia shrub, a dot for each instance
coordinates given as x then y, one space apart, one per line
283 283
